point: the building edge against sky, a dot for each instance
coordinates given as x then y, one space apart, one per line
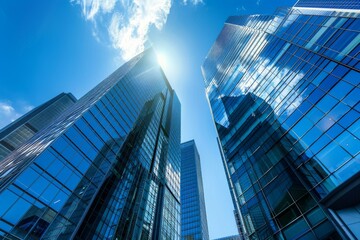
109 167
193 212
284 95
16 133
233 237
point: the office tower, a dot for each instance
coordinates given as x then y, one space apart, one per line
284 95
334 4
107 169
193 212
234 237
21 130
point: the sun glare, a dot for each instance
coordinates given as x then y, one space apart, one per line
161 60
166 62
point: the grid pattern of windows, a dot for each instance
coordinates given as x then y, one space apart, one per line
284 94
193 212
234 237
342 4
91 174
21 130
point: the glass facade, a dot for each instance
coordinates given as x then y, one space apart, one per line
234 237
107 169
335 4
21 130
193 212
284 95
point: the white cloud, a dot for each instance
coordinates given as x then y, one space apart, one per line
193 2
8 113
127 22
90 8
129 35
6 109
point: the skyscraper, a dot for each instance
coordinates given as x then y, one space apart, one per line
234 237
333 4
21 130
284 95
193 213
107 169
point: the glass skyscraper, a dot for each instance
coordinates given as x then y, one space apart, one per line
21 130
234 237
108 168
334 4
193 212
284 94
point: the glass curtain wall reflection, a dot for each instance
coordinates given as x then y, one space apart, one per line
334 4
22 129
284 95
108 169
193 212
234 237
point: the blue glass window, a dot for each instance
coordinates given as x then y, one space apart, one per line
349 142
332 156
353 77
294 231
327 103
341 89
14 214
27 178
353 98
7 199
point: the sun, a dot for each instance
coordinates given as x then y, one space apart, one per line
166 62
162 60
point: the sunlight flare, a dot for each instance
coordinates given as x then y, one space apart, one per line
162 60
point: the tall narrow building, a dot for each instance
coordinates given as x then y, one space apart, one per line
22 129
107 169
284 94
193 212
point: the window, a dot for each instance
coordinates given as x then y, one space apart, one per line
332 156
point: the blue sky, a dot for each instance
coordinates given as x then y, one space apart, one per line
48 47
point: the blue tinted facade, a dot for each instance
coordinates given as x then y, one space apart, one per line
193 212
21 130
234 237
284 94
334 4
108 169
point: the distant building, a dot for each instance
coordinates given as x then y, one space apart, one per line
234 237
22 129
285 98
193 212
108 168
